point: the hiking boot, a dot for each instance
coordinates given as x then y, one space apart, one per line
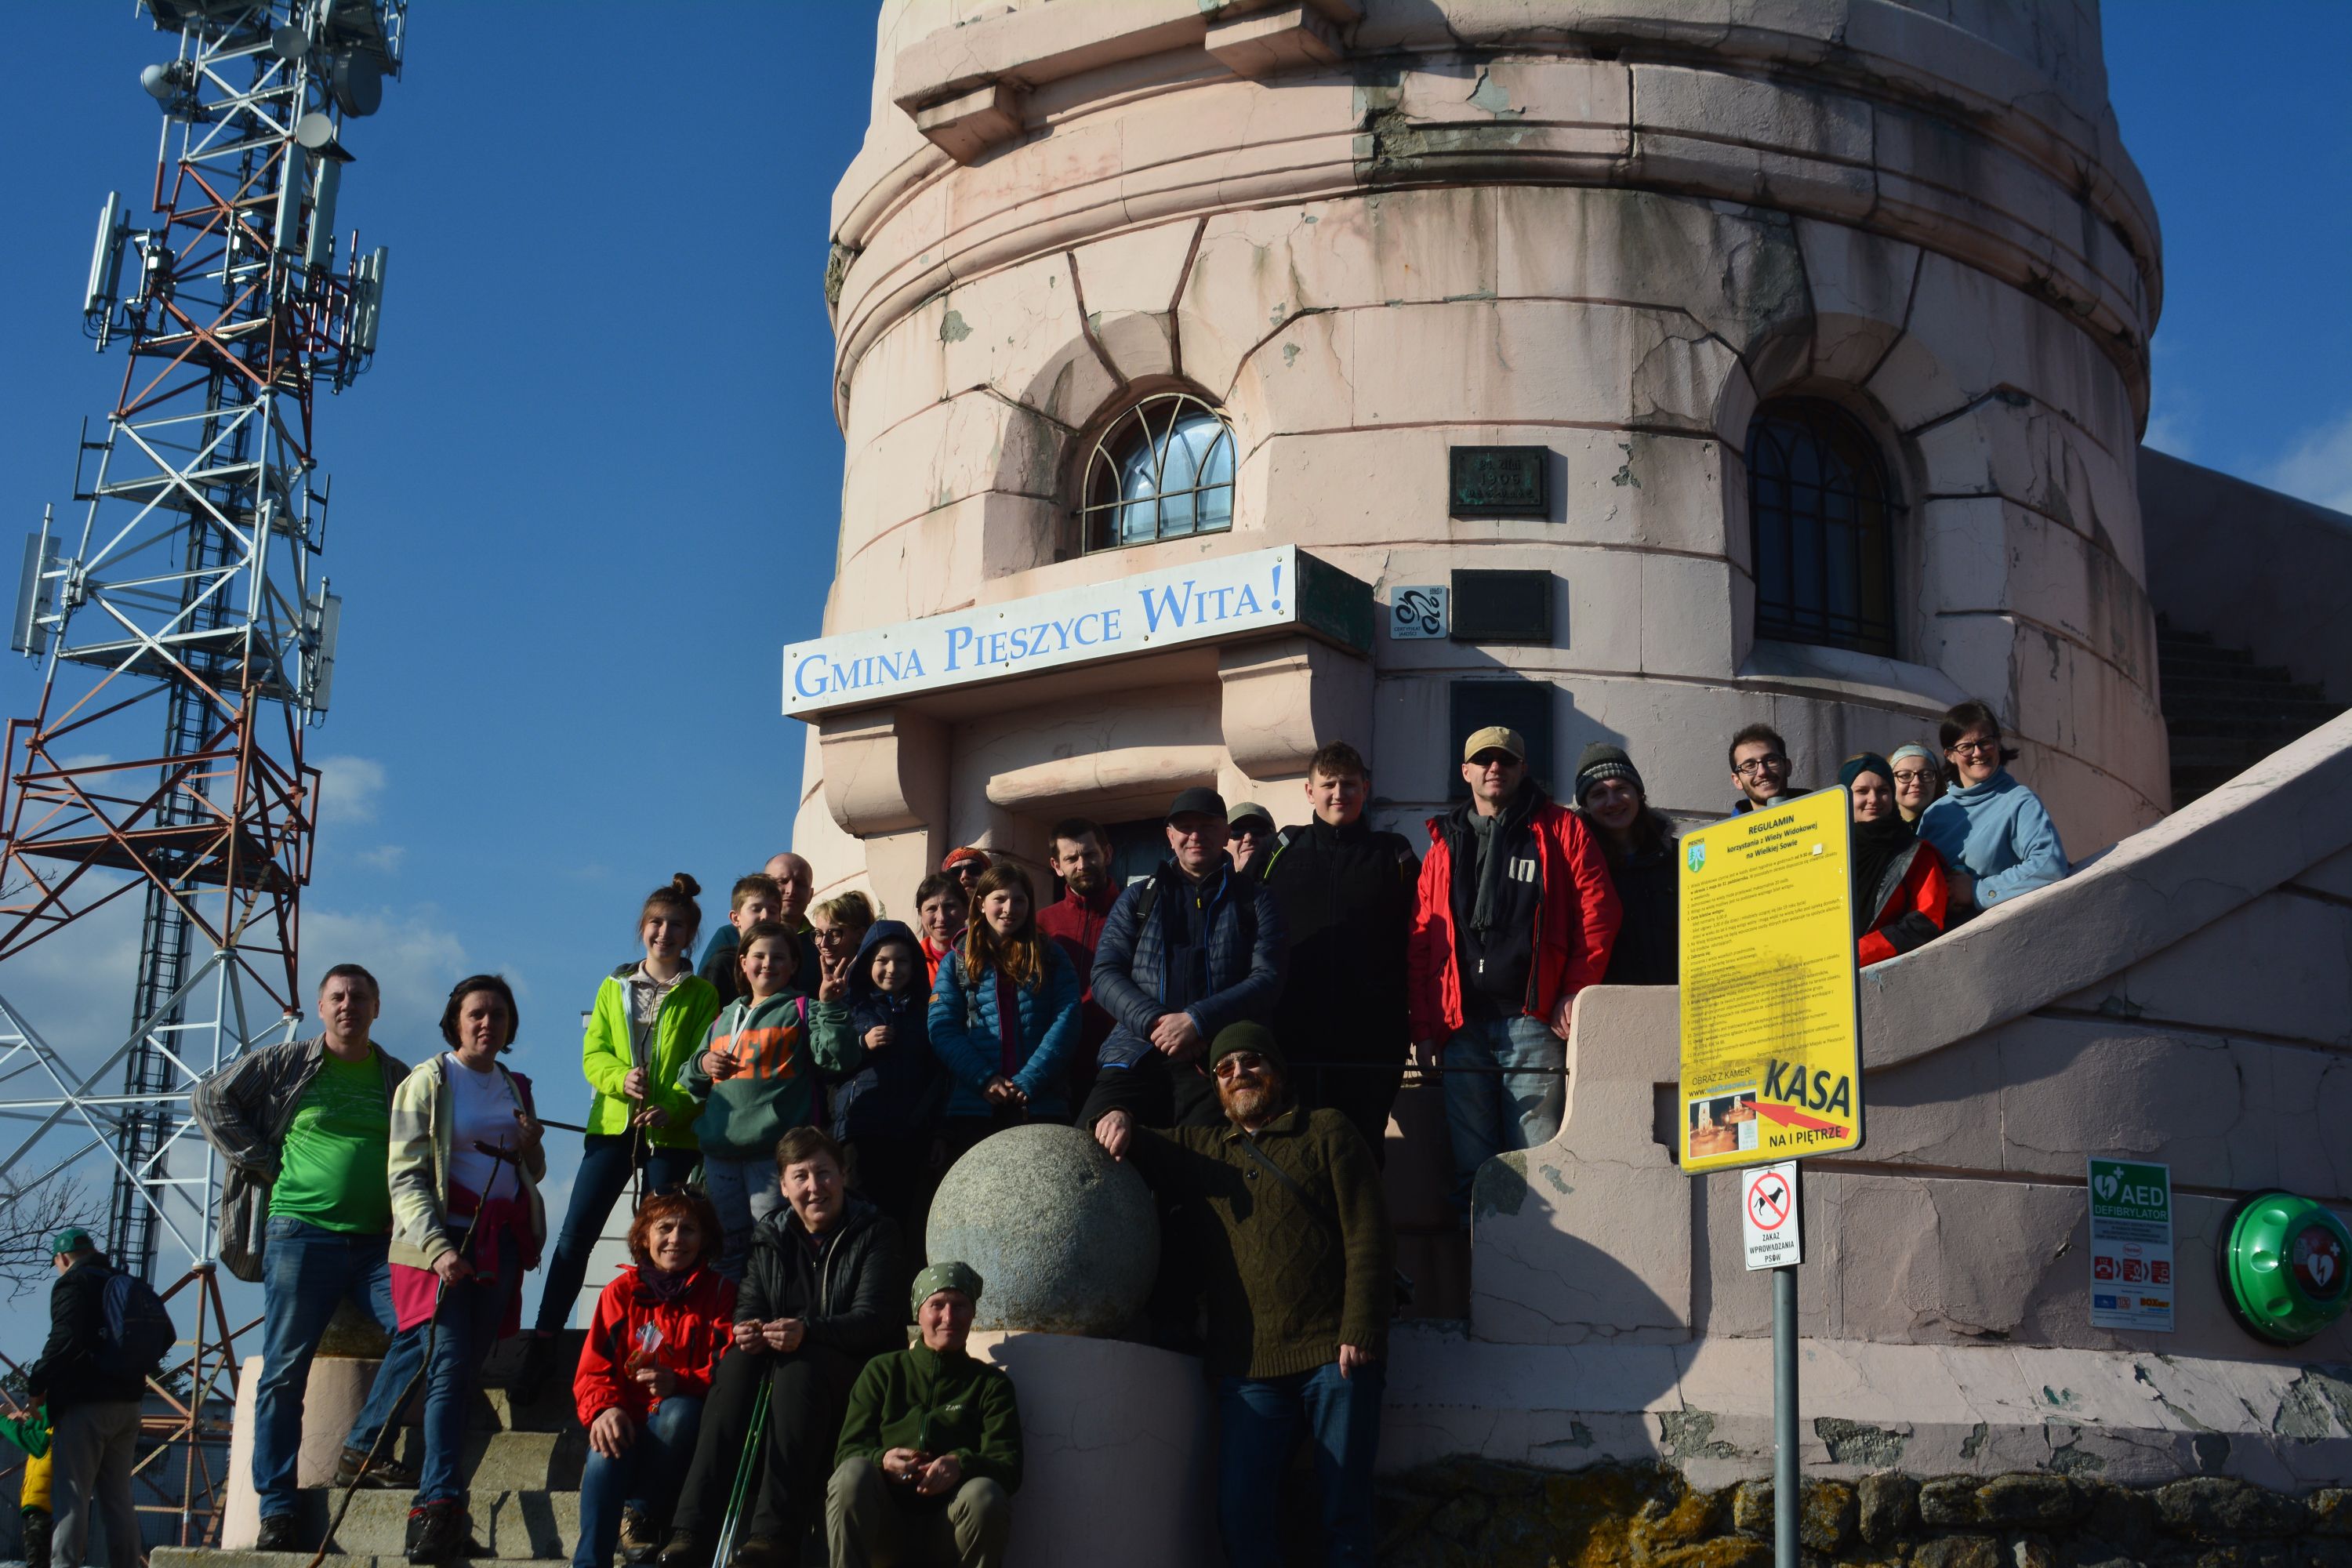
387 1474
761 1552
279 1532
638 1541
438 1533
684 1549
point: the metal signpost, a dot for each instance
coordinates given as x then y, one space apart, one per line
1771 1048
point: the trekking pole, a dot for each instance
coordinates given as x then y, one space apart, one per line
745 1468
432 1333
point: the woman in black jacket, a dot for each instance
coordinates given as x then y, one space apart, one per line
1640 845
825 1291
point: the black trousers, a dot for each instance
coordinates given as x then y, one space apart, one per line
1365 1094
808 1395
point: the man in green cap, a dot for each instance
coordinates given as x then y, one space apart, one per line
92 1403
931 1446
1300 1268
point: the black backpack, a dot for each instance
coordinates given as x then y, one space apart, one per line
139 1331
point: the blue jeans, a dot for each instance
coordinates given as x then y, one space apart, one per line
1258 1420
607 1162
1487 1113
645 1476
307 1271
744 1192
467 1326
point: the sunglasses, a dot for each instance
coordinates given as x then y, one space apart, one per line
1238 1063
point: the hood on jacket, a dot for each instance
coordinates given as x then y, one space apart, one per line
862 989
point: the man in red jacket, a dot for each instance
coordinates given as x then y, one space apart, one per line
1516 916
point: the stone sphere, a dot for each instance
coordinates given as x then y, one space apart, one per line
1066 1238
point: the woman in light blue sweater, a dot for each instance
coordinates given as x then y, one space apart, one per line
1992 831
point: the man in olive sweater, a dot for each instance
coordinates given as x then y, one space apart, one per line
1301 1272
931 1446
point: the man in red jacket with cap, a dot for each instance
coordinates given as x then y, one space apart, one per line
1516 916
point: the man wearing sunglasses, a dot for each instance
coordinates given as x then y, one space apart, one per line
1300 1264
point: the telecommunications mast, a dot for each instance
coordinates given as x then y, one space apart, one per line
179 611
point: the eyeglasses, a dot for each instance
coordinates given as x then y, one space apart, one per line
1770 761
1912 776
1238 1063
1971 748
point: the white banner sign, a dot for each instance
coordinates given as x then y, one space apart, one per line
1218 596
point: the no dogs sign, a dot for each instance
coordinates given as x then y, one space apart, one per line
1767 1216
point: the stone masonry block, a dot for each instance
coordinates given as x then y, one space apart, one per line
1887 1507
2219 1509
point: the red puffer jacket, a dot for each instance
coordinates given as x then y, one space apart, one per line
1576 925
1912 912
695 1327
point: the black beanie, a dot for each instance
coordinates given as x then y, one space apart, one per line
1602 761
1247 1036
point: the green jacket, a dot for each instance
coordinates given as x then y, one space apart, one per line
606 1059
917 1398
1289 1279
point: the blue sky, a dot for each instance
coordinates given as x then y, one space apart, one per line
589 485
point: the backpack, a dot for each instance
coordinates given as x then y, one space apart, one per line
139 1331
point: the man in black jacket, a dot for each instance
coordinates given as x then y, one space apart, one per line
824 1292
93 1408
1347 896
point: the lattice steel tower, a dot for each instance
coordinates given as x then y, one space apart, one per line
191 597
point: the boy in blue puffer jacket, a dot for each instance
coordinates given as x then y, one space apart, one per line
887 1113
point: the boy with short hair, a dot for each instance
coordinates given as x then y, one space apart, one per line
756 898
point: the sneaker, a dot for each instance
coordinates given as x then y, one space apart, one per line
387 1474
279 1532
684 1549
638 1541
438 1533
760 1552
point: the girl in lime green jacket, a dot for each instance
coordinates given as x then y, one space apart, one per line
649 1020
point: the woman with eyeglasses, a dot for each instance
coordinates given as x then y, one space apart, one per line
1995 834
1919 782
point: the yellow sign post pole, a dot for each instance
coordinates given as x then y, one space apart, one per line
1771 1034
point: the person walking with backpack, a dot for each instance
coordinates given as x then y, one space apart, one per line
307 1211
108 1333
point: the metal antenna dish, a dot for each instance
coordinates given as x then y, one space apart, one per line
356 79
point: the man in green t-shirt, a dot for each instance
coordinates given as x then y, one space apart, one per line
305 1127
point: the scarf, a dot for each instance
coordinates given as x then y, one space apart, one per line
1492 835
654 1285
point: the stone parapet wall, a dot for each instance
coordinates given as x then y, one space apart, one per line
1468 1513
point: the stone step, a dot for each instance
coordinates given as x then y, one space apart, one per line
2236 755
2277 722
2191 689
506 1524
509 1460
2170 669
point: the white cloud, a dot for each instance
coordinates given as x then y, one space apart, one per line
386 858
2319 467
349 790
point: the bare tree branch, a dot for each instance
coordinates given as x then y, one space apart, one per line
31 1214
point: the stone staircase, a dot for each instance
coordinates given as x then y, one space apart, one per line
2225 712
524 1462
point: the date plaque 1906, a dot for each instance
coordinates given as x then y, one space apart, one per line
1497 482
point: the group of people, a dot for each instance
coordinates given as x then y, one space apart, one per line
1238 1021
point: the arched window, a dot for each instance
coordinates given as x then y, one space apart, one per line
1163 469
1823 528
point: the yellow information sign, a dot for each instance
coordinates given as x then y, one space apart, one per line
1771 1039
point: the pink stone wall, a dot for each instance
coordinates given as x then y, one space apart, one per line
1597 228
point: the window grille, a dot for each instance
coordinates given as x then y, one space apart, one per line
1163 470
1817 497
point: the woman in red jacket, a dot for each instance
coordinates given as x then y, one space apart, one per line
659 1331
1898 880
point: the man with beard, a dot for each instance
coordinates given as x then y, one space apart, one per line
1295 1247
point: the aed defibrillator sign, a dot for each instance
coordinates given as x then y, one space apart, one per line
1772 1036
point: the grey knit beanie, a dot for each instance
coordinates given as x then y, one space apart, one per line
1599 762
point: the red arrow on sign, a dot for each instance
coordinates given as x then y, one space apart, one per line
1788 1118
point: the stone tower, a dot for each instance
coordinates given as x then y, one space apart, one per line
1826 321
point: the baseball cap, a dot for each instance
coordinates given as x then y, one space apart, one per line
1198 802
1495 738
1250 811
73 1238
